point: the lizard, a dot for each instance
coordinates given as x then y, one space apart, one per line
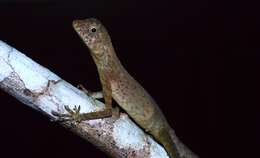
119 85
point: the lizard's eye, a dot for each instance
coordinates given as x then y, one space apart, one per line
93 29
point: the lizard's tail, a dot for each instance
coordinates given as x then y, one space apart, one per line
165 139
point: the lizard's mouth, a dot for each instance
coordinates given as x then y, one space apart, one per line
77 24
81 29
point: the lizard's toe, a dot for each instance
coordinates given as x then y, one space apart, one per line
71 115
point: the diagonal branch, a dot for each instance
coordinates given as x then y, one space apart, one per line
44 91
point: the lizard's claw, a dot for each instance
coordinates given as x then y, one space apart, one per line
72 115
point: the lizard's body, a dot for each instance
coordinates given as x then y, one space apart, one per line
122 87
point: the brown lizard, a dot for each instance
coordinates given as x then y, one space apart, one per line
118 84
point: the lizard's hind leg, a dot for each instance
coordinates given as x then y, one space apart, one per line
96 95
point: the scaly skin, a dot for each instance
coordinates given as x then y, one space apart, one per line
119 85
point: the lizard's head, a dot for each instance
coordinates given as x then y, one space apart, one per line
92 32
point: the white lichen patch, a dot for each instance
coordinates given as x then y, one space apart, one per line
63 94
46 104
28 71
95 122
4 50
156 150
6 69
127 135
33 75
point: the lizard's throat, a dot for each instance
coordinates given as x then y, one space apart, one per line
106 61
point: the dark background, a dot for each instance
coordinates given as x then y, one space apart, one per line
198 59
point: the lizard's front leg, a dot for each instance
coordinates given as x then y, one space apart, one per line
75 115
99 95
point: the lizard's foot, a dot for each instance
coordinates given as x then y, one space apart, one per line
73 114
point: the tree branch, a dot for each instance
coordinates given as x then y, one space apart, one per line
44 91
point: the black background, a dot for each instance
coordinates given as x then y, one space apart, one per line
198 59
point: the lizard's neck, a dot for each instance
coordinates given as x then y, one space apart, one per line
108 62
116 69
